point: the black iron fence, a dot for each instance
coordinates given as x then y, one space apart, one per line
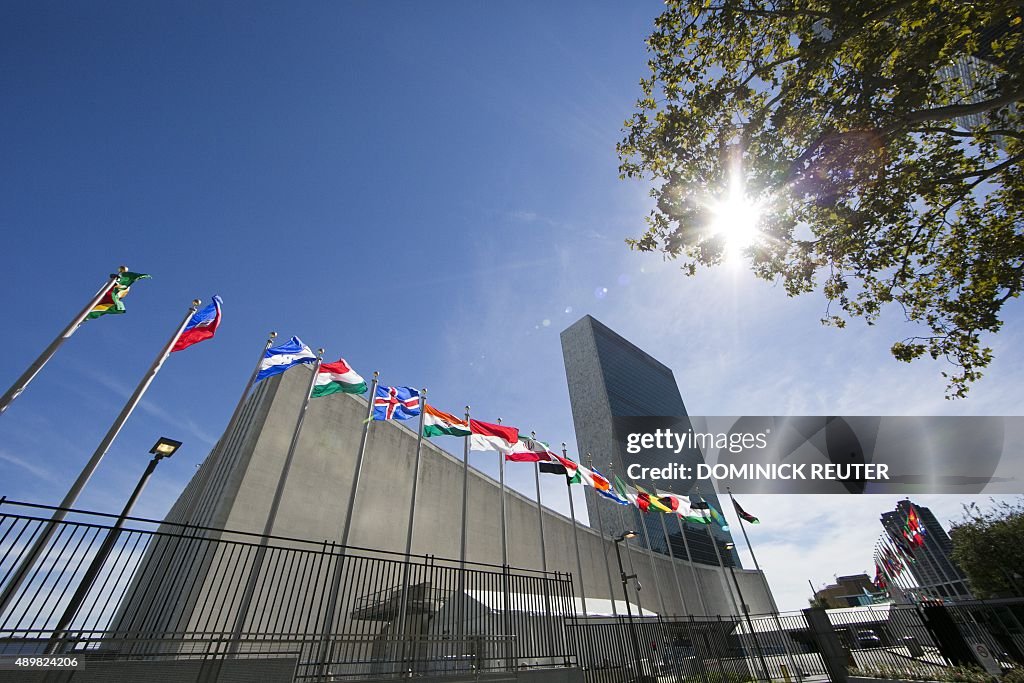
156 590
921 640
708 649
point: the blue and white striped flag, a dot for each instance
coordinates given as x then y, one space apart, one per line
277 359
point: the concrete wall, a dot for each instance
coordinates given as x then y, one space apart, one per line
315 496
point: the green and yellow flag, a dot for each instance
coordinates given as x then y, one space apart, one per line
111 301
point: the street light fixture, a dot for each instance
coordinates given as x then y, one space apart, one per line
629 610
746 614
163 448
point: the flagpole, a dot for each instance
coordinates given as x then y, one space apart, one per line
768 588
465 491
403 614
237 412
672 555
22 382
504 558
629 553
540 513
689 558
504 529
332 599
721 565
76 488
903 586
359 463
543 551
462 545
275 505
576 537
654 569
600 528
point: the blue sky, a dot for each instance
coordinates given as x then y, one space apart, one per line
429 190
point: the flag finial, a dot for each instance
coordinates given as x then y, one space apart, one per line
196 302
122 269
273 335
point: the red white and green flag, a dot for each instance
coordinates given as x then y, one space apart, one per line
337 377
439 423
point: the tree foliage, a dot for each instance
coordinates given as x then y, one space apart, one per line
885 139
989 547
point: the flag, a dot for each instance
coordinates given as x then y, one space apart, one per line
652 501
485 436
668 500
879 577
589 477
633 498
202 326
395 403
708 511
111 301
610 493
530 450
912 521
744 515
439 423
680 505
337 377
277 359
552 468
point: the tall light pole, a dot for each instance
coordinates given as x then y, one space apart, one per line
746 614
163 448
629 610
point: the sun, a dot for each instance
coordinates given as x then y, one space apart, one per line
737 218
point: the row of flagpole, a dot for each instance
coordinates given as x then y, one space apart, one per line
409 536
109 292
28 560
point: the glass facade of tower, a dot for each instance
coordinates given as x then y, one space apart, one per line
609 378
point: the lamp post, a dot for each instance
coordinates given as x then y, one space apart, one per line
163 448
746 614
629 610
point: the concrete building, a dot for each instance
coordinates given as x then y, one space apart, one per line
847 591
611 379
933 566
236 486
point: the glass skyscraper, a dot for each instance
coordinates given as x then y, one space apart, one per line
611 379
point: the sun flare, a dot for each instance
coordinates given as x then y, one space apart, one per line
737 218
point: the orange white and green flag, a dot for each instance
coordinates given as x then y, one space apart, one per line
439 423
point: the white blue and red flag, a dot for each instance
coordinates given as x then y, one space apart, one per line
202 326
396 403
